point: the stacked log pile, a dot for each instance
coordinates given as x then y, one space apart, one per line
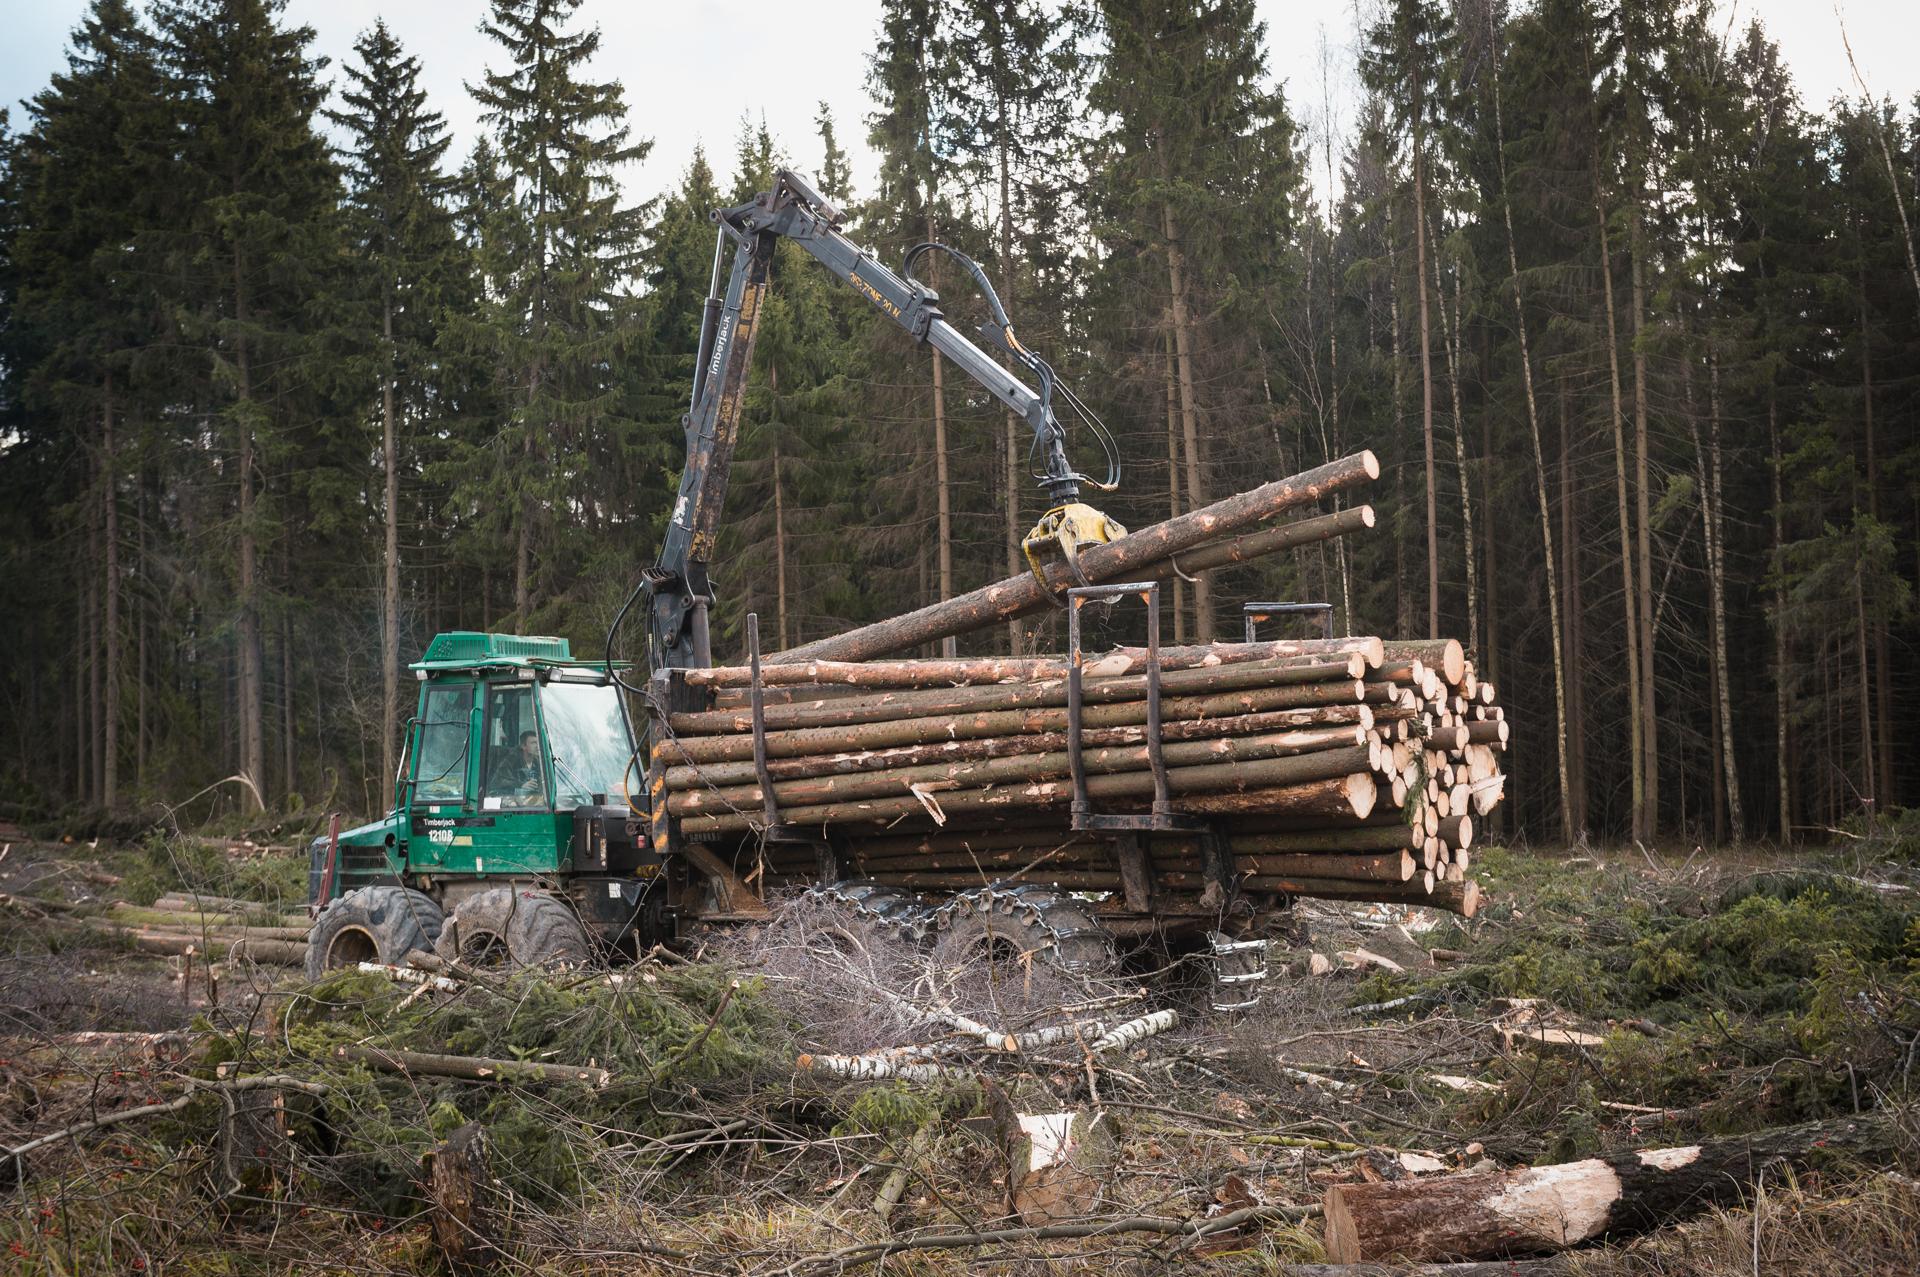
1348 768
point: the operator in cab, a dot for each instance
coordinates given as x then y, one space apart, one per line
519 777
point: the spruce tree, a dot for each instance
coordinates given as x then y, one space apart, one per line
561 308
409 268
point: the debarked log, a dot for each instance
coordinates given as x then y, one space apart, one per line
1115 561
1549 1208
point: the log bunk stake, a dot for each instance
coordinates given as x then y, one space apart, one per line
1174 778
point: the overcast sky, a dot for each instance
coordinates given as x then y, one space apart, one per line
694 68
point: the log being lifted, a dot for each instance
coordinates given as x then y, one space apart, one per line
1548 1208
1119 560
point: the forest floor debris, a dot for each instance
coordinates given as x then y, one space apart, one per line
1721 1000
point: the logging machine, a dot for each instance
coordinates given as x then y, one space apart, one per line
520 828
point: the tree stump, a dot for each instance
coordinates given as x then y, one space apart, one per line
460 1187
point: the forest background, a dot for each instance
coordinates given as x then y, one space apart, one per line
287 386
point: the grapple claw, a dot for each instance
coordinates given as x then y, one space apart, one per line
1057 538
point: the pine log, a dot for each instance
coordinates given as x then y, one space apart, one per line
676 751
1299 740
934 702
1549 1208
1457 830
1483 732
1189 782
1343 796
1213 555
1383 837
1395 866
1462 898
940 777
1115 561
1444 656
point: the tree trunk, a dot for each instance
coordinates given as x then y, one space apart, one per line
779 527
460 1187
1426 372
1881 655
252 691
1717 590
1179 593
1189 409
1629 597
1573 613
1403 601
96 685
1542 1208
1567 826
1450 329
1783 777
390 634
1643 550
110 503
1011 433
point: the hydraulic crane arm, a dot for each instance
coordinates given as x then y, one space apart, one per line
794 210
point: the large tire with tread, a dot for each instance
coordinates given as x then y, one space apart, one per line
1022 921
372 924
515 926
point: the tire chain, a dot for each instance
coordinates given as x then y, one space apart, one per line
1080 943
891 909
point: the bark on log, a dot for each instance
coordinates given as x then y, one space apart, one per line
1213 555
1462 898
1115 561
1119 661
935 702
944 777
1383 837
1397 866
472 1067
923 731
1300 740
1444 656
1549 1208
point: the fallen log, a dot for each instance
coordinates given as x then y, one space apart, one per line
474 1068
1114 561
1549 1208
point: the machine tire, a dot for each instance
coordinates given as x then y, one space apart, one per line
1012 921
372 924
514 926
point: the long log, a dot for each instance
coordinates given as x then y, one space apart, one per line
474 1068
1462 897
1549 1208
942 777
1303 738
922 731
1213 555
1353 792
1393 866
929 703
1395 836
1114 561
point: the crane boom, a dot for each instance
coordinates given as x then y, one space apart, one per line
794 210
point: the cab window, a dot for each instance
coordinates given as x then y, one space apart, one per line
515 768
440 771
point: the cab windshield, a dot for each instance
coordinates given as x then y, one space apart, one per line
588 740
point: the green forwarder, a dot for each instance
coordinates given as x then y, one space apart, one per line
512 832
